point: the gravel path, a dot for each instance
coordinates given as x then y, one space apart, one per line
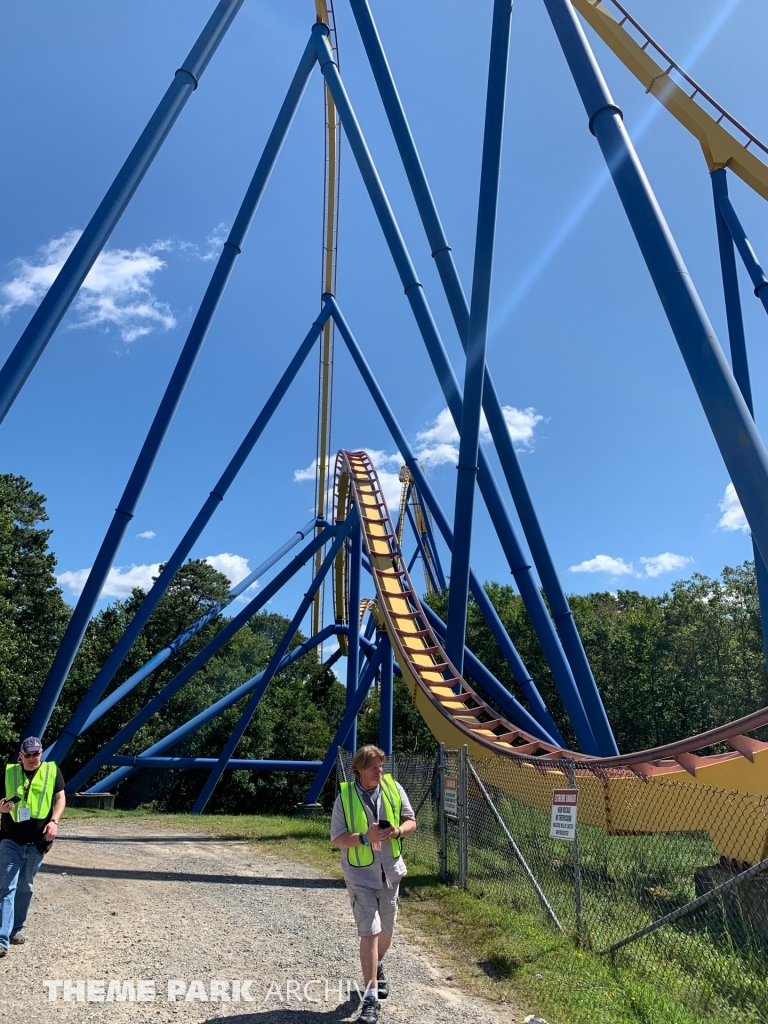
118 903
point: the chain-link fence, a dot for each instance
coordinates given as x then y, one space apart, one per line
665 879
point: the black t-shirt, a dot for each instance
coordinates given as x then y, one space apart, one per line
31 831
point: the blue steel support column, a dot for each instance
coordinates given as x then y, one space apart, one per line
386 694
125 510
213 711
201 659
274 664
49 313
734 430
529 592
738 345
570 696
77 724
344 729
510 464
477 335
432 547
353 641
421 548
742 243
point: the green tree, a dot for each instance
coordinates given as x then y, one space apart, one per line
33 613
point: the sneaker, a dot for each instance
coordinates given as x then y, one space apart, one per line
370 1011
18 939
383 983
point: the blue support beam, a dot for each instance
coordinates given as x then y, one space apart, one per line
733 428
235 764
432 548
570 697
510 464
49 313
344 730
125 510
738 346
353 641
342 533
77 724
736 231
421 548
386 693
477 335
414 291
212 712
200 660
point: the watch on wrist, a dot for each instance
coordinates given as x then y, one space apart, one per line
363 840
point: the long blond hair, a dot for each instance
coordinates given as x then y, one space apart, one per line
364 756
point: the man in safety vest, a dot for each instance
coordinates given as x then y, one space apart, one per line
370 817
29 822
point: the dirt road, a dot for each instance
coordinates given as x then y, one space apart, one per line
130 923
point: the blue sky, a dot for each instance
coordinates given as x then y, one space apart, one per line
623 469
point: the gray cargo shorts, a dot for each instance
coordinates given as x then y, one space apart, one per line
375 910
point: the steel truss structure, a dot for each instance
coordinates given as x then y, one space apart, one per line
395 632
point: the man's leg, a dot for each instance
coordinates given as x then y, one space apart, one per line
369 959
30 865
10 865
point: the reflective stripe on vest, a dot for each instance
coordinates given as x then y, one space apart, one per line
39 797
357 820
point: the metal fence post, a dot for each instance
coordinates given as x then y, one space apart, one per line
576 859
463 809
443 854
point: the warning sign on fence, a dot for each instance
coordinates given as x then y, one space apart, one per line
563 823
450 794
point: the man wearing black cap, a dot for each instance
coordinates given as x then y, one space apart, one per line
29 822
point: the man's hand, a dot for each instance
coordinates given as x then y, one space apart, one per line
5 806
50 831
381 835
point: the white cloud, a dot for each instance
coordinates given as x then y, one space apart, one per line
665 562
299 475
147 535
390 482
438 444
120 581
117 291
604 563
234 567
213 245
521 424
733 517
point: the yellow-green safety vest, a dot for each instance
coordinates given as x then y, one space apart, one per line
35 793
357 820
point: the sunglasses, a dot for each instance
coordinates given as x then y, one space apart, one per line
31 753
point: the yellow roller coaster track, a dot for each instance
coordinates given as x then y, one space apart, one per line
724 140
457 715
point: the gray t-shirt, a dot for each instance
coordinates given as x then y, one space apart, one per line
383 860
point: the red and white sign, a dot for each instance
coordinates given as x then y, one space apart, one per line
563 822
450 795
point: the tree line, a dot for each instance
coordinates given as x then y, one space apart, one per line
666 666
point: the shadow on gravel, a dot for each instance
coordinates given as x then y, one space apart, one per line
274 1016
182 876
190 838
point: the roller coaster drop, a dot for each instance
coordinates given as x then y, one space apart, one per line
401 634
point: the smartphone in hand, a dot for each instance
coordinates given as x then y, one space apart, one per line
383 823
